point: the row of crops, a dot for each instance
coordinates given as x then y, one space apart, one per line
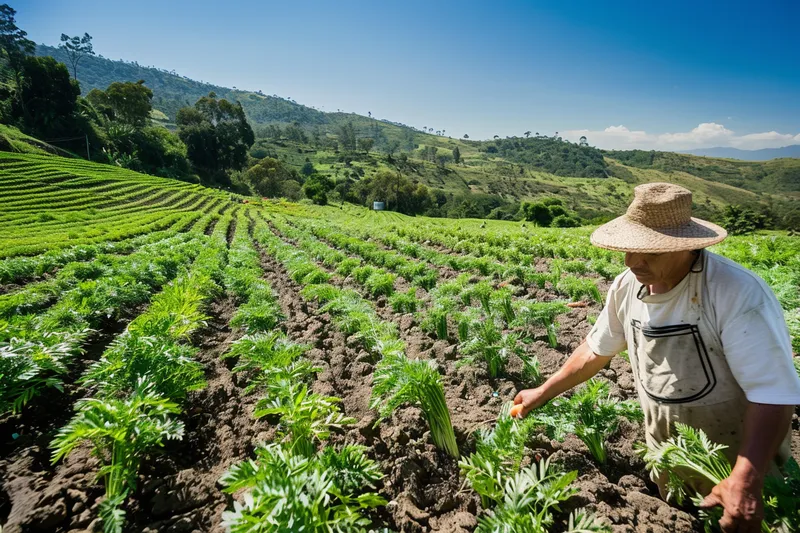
378 355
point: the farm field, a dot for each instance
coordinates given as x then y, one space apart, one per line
174 359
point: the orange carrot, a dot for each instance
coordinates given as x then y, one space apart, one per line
516 410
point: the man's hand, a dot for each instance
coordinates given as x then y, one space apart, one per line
765 426
581 365
740 497
529 399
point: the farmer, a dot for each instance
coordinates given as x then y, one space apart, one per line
707 342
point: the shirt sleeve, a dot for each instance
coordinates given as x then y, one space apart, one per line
758 349
607 337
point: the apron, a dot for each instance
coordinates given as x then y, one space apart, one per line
682 375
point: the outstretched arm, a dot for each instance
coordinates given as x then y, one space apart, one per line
765 427
581 366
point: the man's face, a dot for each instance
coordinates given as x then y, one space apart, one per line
652 269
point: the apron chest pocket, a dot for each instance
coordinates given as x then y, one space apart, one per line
673 365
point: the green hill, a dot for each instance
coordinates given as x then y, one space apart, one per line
491 174
776 175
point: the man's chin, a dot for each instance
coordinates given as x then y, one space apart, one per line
644 279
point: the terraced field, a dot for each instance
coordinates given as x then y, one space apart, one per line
176 360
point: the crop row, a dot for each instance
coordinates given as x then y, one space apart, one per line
138 385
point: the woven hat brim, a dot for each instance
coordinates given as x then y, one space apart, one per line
624 235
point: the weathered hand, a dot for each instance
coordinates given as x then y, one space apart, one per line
529 399
743 504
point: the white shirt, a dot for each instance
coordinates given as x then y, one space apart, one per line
742 310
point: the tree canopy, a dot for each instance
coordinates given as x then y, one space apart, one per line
217 136
76 48
124 101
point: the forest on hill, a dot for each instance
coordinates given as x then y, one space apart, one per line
159 122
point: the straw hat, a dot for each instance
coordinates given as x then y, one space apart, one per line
659 220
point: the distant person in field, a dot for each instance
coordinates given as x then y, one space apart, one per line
707 342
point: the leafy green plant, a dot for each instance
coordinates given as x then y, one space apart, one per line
591 413
176 312
325 492
121 432
577 288
606 268
258 314
501 300
531 373
782 507
398 380
488 343
427 280
529 497
688 449
543 314
268 357
169 367
435 319
306 418
690 453
380 283
405 302
305 272
363 273
498 454
466 321
28 367
480 292
557 266
346 267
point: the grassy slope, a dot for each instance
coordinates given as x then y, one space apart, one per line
13 140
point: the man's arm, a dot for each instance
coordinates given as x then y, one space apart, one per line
765 427
581 365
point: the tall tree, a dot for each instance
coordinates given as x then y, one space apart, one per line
217 136
76 48
347 137
365 144
13 42
14 48
456 155
47 102
527 134
127 102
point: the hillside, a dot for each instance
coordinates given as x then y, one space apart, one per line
779 175
172 91
491 174
765 154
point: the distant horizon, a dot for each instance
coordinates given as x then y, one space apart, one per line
615 74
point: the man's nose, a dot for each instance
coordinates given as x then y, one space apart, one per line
633 260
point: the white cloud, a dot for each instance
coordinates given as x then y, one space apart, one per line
705 135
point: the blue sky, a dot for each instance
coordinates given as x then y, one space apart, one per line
671 75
